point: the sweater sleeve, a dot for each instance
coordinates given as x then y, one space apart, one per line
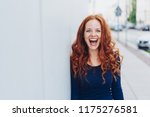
117 89
74 88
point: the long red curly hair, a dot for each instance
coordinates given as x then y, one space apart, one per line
109 55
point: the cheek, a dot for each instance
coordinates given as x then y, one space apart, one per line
85 37
100 35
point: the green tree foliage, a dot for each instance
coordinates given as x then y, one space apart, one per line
132 16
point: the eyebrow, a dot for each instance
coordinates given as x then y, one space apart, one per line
90 28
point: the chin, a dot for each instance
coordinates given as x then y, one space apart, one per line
93 48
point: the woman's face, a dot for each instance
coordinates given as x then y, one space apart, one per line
92 34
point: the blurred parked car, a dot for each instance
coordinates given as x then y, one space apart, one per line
130 25
139 26
143 27
143 42
117 27
146 28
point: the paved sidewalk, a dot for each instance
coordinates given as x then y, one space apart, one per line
135 76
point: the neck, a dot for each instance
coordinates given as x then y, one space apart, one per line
93 58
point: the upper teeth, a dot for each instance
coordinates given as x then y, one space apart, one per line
93 39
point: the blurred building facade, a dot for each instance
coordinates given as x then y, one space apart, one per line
143 11
125 6
109 12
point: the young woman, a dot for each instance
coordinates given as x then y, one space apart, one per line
95 63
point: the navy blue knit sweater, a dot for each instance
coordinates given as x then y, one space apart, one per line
93 88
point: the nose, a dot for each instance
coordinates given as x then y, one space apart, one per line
94 33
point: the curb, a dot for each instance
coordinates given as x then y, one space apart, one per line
144 56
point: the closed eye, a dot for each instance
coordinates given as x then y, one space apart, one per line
98 30
88 31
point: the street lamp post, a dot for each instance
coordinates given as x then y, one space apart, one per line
126 31
117 21
118 12
118 28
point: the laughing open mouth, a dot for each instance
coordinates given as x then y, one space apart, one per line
93 41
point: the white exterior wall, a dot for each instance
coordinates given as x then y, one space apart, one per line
35 40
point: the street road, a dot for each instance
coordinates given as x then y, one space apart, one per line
129 36
135 67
